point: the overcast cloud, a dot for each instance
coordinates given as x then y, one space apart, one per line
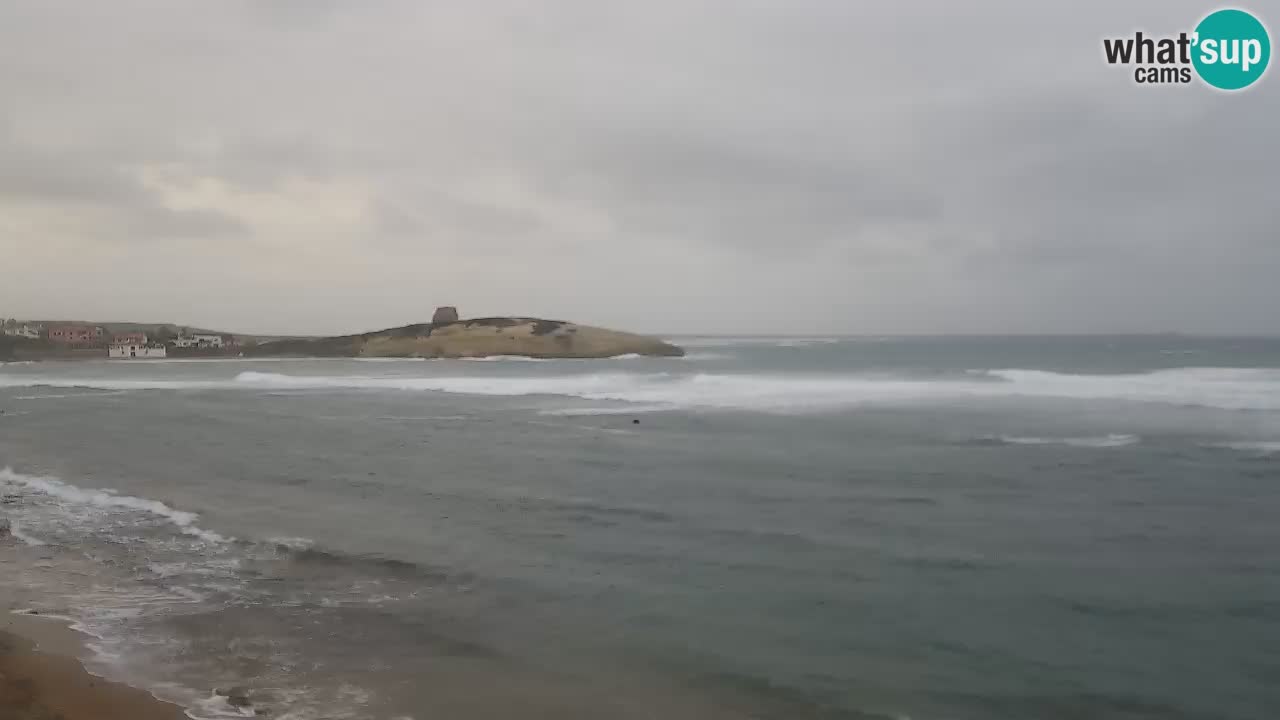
663 166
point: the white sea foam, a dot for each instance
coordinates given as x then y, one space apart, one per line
628 409
293 543
15 529
1226 388
503 358
1102 441
1261 447
526 358
216 707
1229 388
53 487
422 418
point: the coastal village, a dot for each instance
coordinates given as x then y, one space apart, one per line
446 336
78 340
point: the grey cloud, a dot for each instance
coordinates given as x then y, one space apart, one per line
1181 181
261 162
753 199
123 208
921 166
60 177
153 222
459 224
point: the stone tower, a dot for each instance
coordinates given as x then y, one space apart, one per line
445 314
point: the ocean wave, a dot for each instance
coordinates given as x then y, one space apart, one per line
762 340
108 500
526 358
628 409
1223 388
1227 388
302 554
503 358
63 396
15 529
420 418
292 543
1102 441
1260 447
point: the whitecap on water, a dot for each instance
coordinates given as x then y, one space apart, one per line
102 499
1223 388
1260 447
1114 440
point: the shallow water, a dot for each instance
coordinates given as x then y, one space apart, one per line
864 527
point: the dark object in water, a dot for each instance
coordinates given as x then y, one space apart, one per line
635 421
237 696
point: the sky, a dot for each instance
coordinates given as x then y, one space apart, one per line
666 166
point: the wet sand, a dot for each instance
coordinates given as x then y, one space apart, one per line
42 679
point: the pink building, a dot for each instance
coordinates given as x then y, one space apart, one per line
76 334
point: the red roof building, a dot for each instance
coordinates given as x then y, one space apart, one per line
133 338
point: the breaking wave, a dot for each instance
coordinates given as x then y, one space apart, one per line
1225 388
1102 441
1261 447
103 499
1229 388
15 529
627 409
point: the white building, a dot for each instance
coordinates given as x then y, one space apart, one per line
198 340
133 351
25 330
210 341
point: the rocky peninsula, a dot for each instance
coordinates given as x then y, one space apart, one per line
447 336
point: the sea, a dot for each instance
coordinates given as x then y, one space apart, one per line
872 528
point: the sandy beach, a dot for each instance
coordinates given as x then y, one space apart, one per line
41 676
41 679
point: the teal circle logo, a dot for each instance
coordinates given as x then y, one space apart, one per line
1232 49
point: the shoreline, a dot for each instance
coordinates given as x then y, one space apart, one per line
42 678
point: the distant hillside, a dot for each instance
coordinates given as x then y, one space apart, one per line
124 327
478 337
117 328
